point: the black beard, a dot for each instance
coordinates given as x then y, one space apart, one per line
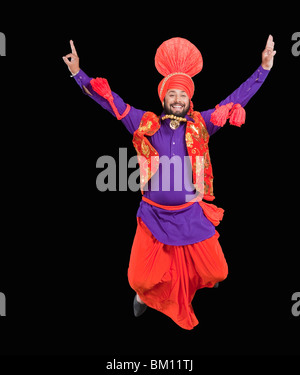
183 113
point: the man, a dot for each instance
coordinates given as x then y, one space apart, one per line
176 249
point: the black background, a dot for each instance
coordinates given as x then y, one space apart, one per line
66 246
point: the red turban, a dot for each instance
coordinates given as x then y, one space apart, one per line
178 60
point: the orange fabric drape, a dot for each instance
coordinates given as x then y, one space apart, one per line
167 277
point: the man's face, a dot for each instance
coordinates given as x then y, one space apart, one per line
176 103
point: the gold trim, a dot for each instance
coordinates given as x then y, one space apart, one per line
173 117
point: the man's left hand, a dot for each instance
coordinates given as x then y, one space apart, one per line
268 54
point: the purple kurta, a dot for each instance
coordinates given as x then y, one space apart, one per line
187 226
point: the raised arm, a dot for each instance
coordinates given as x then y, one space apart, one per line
134 116
249 88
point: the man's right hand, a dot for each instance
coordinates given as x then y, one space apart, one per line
72 64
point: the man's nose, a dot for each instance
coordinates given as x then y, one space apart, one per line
177 99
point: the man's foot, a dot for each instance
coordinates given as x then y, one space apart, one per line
138 308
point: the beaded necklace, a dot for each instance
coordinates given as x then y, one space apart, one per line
175 121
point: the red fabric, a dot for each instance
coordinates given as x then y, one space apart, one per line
236 113
177 60
197 139
221 114
167 277
177 82
178 55
237 116
101 87
213 213
148 156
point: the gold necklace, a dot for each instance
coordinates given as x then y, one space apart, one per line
175 121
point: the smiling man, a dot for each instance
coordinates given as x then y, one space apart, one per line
177 103
176 249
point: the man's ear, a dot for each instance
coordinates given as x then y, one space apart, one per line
163 103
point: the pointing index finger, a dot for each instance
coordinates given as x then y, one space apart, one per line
270 42
73 48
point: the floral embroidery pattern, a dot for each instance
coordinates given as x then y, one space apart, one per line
197 138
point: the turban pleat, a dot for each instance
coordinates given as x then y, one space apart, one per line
178 60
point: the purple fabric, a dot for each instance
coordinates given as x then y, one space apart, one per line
187 226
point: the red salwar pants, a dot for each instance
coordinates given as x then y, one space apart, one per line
167 277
